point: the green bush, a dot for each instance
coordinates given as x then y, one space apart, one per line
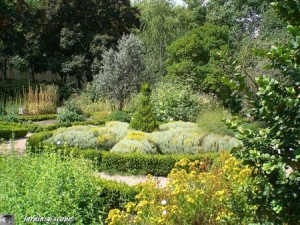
175 101
9 130
71 112
121 116
211 121
52 184
158 165
143 119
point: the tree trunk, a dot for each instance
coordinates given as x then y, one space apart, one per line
121 105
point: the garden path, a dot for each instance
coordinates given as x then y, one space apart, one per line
19 147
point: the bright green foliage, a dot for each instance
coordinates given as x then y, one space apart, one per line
121 116
52 184
160 25
187 54
71 112
143 119
45 185
175 101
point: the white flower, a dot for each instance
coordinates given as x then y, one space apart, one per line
163 202
164 212
58 142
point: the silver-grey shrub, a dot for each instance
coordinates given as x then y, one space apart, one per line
77 136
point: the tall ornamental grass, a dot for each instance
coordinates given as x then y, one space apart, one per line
41 100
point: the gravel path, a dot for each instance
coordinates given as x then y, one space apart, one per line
18 145
132 180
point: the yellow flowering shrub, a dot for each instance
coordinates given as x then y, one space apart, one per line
195 194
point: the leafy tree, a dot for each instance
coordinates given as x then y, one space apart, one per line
160 25
11 31
75 33
143 118
188 54
121 69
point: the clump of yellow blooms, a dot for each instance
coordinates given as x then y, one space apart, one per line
195 194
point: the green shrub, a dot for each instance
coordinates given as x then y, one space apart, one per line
45 185
71 112
69 115
211 121
143 119
158 165
121 116
175 101
9 130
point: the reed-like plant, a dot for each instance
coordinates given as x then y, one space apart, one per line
41 100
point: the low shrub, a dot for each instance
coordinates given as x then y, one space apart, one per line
76 136
136 142
213 142
71 112
12 130
111 134
179 141
175 101
52 184
135 146
121 116
194 194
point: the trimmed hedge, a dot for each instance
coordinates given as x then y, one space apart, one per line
34 142
38 117
116 195
157 165
15 130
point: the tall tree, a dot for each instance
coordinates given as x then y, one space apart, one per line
120 73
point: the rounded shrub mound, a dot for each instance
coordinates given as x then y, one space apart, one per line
77 136
136 142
